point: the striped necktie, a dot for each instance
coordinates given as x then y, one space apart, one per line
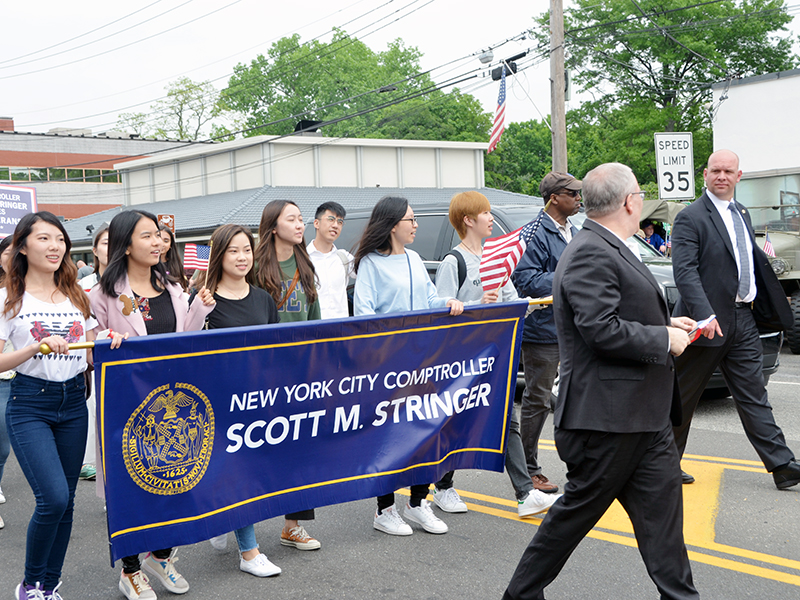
741 246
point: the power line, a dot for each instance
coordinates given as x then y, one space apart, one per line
186 71
97 40
72 62
77 37
348 39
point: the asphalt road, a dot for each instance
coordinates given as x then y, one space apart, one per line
742 533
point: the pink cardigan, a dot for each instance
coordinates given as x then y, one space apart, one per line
109 311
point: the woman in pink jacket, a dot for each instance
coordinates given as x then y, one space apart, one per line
137 296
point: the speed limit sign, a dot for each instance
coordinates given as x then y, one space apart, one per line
675 166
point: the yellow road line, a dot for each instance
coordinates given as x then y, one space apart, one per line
700 512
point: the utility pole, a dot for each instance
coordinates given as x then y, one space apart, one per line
558 119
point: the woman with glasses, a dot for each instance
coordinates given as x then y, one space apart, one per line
392 278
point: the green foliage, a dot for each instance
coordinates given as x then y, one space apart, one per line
328 81
522 158
183 114
643 82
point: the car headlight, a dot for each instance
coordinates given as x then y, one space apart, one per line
779 266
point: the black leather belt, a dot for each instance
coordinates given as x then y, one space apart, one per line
743 304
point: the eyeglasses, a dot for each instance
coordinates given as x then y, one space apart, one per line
641 193
571 193
411 219
331 219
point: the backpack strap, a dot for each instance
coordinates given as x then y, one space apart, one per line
462 266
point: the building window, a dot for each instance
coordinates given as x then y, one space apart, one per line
62 175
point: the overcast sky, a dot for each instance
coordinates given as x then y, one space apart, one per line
45 92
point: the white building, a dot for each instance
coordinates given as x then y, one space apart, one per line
309 161
757 119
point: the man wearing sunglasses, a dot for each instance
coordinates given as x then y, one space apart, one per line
534 277
334 267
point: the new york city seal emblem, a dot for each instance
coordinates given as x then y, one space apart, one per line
167 441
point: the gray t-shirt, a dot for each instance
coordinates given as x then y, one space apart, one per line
472 290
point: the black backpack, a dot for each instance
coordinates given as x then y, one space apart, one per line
462 266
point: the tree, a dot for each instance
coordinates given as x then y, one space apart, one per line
328 81
183 114
653 72
522 158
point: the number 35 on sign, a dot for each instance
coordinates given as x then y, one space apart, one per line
675 166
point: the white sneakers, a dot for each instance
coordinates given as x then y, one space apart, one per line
449 500
423 515
389 521
536 502
2 498
260 566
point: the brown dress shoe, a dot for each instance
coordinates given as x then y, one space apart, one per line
542 483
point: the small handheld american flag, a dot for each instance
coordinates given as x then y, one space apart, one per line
768 249
501 254
196 257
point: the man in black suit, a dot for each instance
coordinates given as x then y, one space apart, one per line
720 270
612 419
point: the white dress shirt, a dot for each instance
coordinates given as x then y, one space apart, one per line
333 279
564 230
727 218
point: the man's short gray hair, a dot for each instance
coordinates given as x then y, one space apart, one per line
605 188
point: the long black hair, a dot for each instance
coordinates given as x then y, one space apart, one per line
220 240
268 269
120 236
65 277
377 235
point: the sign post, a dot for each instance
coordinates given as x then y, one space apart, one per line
675 166
168 220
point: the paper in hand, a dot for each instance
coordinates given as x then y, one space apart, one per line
698 330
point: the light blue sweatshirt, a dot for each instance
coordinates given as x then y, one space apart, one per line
384 285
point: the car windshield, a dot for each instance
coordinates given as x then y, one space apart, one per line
522 215
774 202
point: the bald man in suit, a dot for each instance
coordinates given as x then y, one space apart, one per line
720 270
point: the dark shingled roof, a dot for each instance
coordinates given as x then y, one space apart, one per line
203 214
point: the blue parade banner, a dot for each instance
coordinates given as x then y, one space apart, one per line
15 203
202 433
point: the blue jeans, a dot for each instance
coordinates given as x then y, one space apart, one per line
246 538
5 447
47 423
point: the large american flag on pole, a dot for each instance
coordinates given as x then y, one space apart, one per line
501 254
500 116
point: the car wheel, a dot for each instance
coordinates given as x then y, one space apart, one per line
793 335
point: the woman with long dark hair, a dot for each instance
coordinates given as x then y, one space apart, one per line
46 414
171 257
285 271
239 303
392 278
137 296
5 376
